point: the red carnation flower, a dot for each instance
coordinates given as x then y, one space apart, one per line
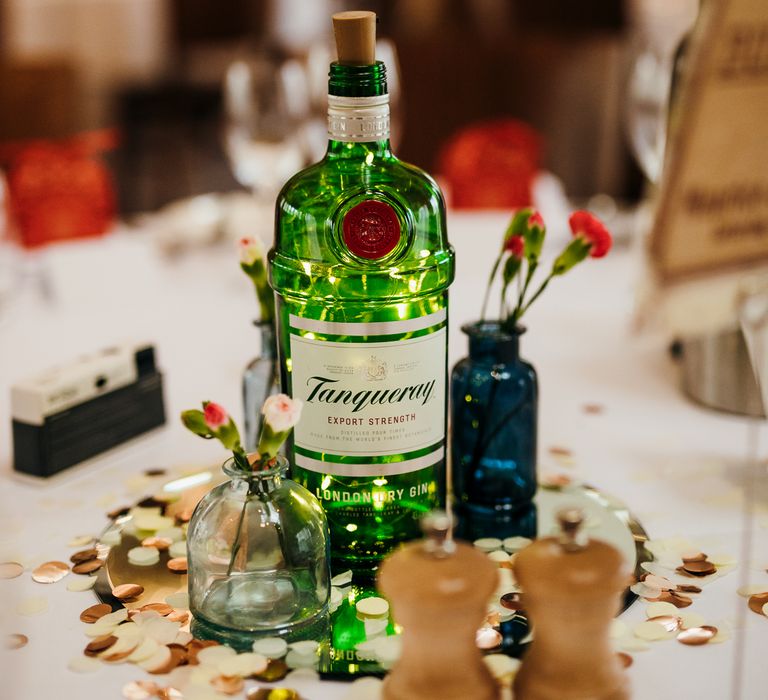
591 229
215 416
515 246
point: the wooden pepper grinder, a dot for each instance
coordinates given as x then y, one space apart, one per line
439 590
572 589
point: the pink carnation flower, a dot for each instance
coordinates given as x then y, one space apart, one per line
282 412
535 220
251 249
215 416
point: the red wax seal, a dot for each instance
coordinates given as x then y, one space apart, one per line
371 229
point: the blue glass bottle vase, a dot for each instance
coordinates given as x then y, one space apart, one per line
494 398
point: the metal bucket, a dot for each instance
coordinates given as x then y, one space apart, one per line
716 372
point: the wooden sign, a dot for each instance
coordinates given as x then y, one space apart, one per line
713 208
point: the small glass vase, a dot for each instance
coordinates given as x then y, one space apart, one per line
259 382
494 398
258 560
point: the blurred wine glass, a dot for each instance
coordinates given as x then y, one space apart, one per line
266 103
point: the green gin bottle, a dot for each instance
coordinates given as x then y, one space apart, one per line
360 267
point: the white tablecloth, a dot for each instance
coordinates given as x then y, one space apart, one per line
681 468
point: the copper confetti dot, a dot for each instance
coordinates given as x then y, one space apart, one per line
100 644
119 656
155 471
276 670
659 582
182 652
684 588
169 693
178 565
118 512
593 408
696 636
127 591
493 619
699 568
16 641
230 685
757 601
555 481
677 599
160 608
152 502
671 623
95 612
84 555
10 569
511 601
159 543
87 567
184 516
624 659
560 451
50 572
693 556
180 616
140 690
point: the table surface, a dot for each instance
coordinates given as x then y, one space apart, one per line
682 469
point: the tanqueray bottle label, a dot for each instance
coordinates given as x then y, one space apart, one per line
373 393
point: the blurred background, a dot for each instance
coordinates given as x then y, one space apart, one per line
185 97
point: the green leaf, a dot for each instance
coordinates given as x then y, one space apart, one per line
229 435
534 242
195 421
576 251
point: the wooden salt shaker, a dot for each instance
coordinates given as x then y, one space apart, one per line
439 590
572 590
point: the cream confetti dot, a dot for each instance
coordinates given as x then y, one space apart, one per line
501 666
271 647
722 559
111 538
157 661
308 647
499 556
143 556
178 549
632 644
659 609
178 600
213 656
295 660
765 609
81 541
174 534
752 589
373 607
619 629
342 579
81 583
487 544
33 605
84 664
651 631
515 544
690 619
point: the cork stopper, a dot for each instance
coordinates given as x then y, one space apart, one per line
355 34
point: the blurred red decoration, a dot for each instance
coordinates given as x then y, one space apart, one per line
60 190
492 165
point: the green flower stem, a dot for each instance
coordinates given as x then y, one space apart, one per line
258 274
520 309
236 543
537 294
490 283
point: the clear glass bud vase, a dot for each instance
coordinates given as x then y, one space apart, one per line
258 557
